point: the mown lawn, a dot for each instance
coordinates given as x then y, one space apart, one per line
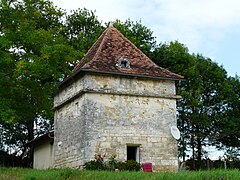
30 174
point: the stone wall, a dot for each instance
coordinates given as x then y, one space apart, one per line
101 114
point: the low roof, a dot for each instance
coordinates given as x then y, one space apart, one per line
47 135
109 48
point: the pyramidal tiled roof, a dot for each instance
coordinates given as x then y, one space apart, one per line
106 53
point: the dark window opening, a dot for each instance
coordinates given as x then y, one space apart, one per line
76 108
131 153
124 63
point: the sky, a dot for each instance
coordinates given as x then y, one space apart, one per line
207 27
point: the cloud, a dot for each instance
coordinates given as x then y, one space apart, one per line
190 21
201 25
179 19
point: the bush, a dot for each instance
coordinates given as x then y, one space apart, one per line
132 165
96 164
112 164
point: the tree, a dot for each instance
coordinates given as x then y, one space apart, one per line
82 29
202 92
138 34
34 57
206 100
176 58
228 122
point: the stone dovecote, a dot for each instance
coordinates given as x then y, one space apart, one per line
119 102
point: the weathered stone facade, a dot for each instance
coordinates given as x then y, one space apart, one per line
104 114
117 101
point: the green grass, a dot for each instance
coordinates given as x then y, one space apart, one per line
60 174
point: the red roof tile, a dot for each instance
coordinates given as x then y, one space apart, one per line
105 53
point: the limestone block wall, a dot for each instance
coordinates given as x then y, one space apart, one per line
69 138
116 85
114 121
101 114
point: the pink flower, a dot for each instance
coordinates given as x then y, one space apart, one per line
100 157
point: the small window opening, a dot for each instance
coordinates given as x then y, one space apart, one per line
124 63
133 152
76 108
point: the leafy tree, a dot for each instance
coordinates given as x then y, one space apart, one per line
82 29
34 57
176 58
206 101
138 34
203 97
228 122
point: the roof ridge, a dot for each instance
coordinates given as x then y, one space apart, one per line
106 53
84 60
100 45
136 48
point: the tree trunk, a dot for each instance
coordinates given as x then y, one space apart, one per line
193 151
199 149
183 150
30 128
183 141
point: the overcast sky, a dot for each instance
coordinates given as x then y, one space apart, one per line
208 27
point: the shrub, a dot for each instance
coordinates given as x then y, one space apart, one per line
112 164
121 165
132 165
97 164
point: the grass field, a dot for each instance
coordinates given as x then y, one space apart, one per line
60 174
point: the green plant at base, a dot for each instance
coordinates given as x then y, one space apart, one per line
132 165
112 164
96 164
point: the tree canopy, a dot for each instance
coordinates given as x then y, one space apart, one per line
34 57
205 110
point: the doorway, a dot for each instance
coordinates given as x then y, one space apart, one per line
133 152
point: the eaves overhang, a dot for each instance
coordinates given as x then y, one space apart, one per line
80 70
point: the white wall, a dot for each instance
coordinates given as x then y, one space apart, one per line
43 155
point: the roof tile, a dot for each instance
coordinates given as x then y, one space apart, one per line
105 53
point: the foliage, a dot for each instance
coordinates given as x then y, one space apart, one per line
12 160
131 165
206 108
113 164
139 35
226 127
99 164
81 29
96 164
36 52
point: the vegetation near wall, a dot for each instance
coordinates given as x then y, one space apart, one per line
39 46
99 164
